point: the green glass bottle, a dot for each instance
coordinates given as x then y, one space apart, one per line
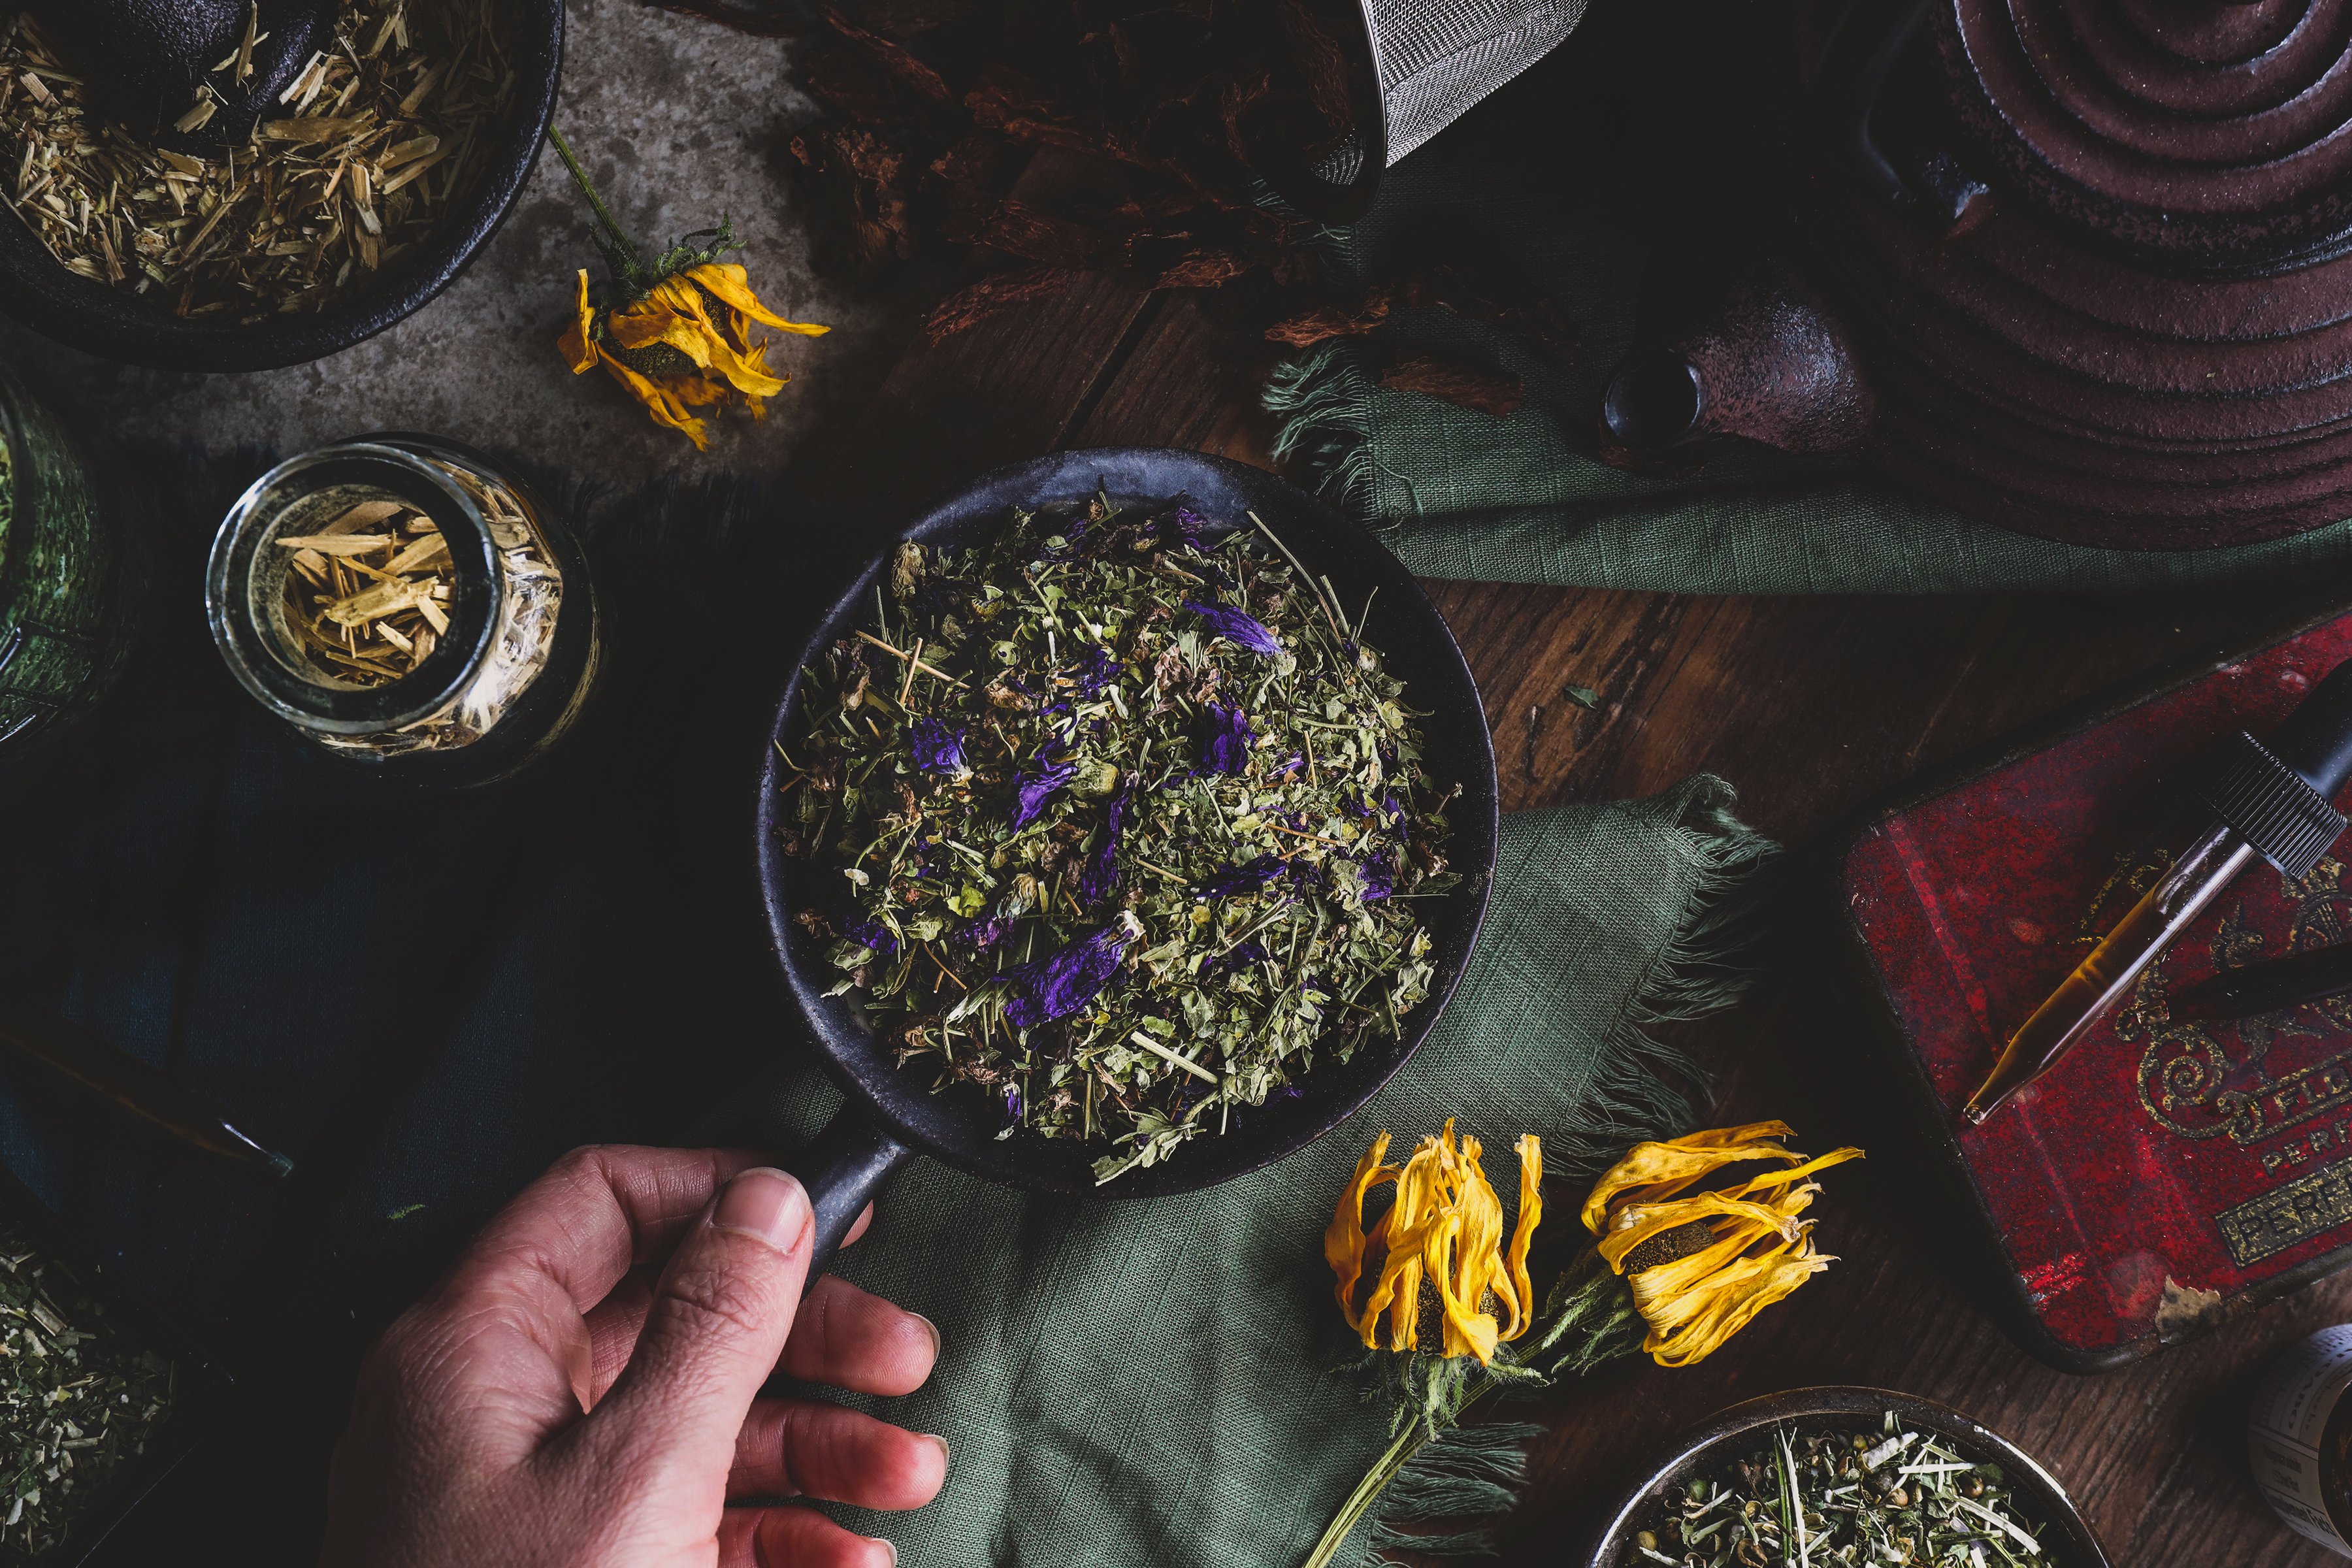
73 570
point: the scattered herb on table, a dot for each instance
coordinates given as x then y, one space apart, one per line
1831 1498
76 1398
357 161
1128 821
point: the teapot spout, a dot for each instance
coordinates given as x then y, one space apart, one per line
1772 365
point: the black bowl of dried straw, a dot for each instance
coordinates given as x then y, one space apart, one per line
337 205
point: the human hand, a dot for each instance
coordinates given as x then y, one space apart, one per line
552 1405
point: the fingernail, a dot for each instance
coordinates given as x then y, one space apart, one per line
943 1442
931 1329
763 1203
889 1546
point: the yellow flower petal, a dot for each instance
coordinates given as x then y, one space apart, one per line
713 350
576 345
1446 1226
1666 1168
1690 1326
1796 1172
1343 1240
1522 1296
657 318
1638 1222
662 402
1463 1253
731 282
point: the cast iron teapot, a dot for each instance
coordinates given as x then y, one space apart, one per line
2082 267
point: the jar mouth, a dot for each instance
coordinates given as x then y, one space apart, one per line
246 583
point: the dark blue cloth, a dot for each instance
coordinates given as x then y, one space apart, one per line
421 998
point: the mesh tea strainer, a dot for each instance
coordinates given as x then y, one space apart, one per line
1417 65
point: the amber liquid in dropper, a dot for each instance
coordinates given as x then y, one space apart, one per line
2178 896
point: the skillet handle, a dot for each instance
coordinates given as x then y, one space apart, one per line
842 1168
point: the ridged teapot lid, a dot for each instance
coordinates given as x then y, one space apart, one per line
2198 136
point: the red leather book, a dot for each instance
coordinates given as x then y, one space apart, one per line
2164 1171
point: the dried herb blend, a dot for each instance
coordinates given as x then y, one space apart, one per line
77 1399
368 593
357 161
1831 1499
1129 824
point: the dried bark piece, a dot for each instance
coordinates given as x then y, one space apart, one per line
1325 64
1017 228
1005 102
996 293
1205 268
1323 322
865 169
1497 392
896 59
976 161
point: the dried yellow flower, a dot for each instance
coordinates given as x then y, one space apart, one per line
1726 1255
681 339
686 346
1446 1226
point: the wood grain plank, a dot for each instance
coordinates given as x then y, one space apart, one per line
1192 381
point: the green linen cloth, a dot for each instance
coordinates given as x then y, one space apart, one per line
1159 1381
1461 494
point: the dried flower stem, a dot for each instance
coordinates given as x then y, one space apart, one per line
613 241
1368 1491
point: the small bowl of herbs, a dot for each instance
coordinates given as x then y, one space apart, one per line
1840 1478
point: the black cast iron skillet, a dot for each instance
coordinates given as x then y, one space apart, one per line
890 1115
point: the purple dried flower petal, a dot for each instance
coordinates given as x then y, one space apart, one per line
1224 740
1246 877
1099 879
1182 525
982 935
1096 670
1248 955
874 936
1035 784
937 747
1376 877
1068 979
1235 626
1012 1103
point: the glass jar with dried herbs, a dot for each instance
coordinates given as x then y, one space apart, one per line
406 606
74 565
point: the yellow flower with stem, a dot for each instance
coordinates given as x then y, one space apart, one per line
1702 1266
679 331
1445 1308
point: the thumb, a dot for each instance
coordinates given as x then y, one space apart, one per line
714 1332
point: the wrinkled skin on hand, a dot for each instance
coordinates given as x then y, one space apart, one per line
583 1390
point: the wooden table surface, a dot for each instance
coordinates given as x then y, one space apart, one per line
1809 707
